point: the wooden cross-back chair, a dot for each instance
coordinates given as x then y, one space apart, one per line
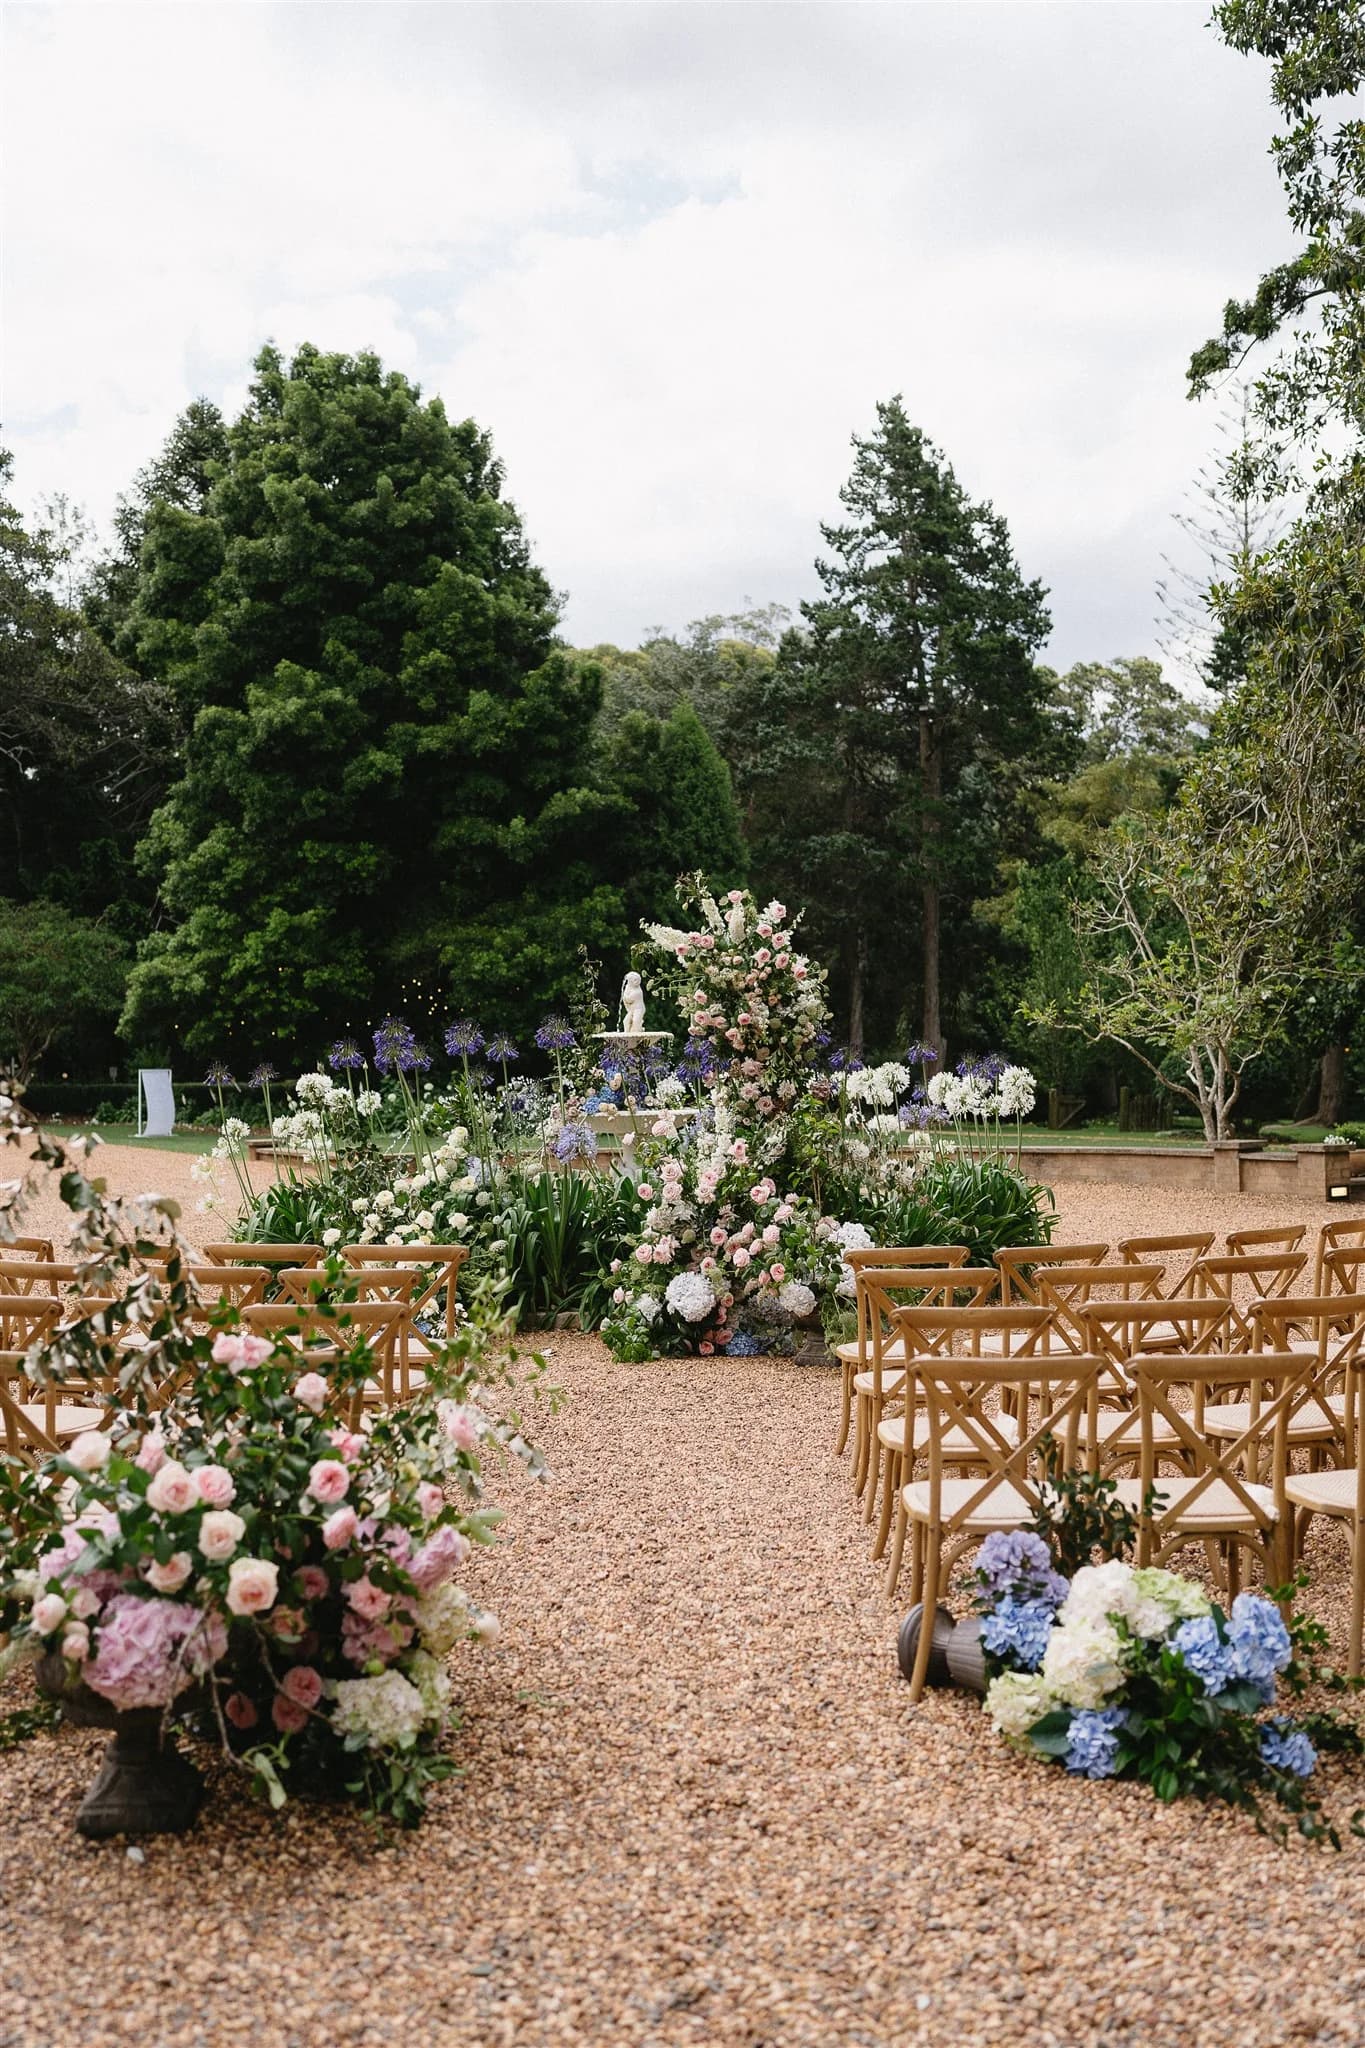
51 1414
1310 1327
37 1276
1335 1237
24 1435
26 1248
941 1329
1233 1491
1020 1264
321 1334
27 1319
1120 1330
273 1256
1062 1289
1343 1269
1241 1278
1272 1239
1339 1494
944 1515
855 1356
394 1284
1175 1254
438 1267
881 1291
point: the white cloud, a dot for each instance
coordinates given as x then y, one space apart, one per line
670 256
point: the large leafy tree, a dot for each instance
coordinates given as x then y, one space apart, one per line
61 983
889 743
678 812
87 748
386 777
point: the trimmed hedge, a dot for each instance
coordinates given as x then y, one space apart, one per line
116 1101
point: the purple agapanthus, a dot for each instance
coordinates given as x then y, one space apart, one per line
345 1057
555 1035
575 1144
988 1068
396 1050
501 1050
920 1056
463 1038
262 1076
217 1075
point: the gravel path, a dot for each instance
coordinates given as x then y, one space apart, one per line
697 1807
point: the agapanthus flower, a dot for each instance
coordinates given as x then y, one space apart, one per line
575 1143
262 1076
397 1050
500 1050
555 1035
920 1056
345 1057
463 1038
217 1075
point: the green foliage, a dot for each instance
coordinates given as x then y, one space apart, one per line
982 1203
60 976
388 769
558 1233
1079 1515
678 814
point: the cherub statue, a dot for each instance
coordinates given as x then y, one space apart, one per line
633 1005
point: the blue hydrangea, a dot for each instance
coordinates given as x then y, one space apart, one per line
1093 1742
1204 1650
1259 1642
745 1344
1017 1631
1286 1748
1018 1562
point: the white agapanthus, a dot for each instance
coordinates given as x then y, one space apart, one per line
386 1710
691 1296
884 1126
877 1086
1083 1663
1016 1092
669 1089
312 1088
369 1102
796 1299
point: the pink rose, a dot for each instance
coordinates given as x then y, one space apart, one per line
84 1603
286 1623
252 1585
644 1253
287 1715
459 1425
219 1534
430 1499
329 1481
255 1350
313 1582
90 1451
645 1191
778 1272
151 1453
227 1348
339 1529
240 1710
367 1600
172 1491
759 1191
739 1152
49 1612
717 1235
348 1444
310 1391
215 1486
76 1642
303 1685
771 1234
783 1213
706 1349
741 1258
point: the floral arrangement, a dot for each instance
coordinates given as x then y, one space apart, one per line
1126 1672
226 1546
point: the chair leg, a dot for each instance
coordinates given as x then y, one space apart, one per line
1357 1601
893 1570
845 1410
932 1540
876 1468
890 1495
860 1443
1234 1567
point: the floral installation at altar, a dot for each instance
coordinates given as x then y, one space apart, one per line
1127 1672
233 1545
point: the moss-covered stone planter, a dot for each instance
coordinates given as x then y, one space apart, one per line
955 1653
144 1785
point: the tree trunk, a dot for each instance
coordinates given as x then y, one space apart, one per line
1331 1086
931 789
857 981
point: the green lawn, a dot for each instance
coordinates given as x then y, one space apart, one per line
126 1134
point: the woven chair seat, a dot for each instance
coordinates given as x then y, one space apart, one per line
1218 1507
67 1419
1323 1493
956 1443
1231 1419
1003 1507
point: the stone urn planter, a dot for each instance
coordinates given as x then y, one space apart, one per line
144 1785
955 1653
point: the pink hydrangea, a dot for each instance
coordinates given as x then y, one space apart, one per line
444 1550
365 1642
148 1651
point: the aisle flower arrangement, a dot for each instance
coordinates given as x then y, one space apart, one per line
1123 1672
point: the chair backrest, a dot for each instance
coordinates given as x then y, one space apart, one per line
1343 1269
1047 1417
1245 1277
27 1319
1281 1382
1273 1239
317 1332
1063 1288
236 1285
1334 1237
1019 1262
36 1276
881 1292
25 1248
1176 1253
1333 1323
23 1436
1121 1330
371 1283
995 1330
438 1266
271 1255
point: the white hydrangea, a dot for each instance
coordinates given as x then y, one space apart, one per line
796 1299
852 1237
1015 1700
432 1683
648 1305
387 1711
691 1296
1148 1601
442 1617
1083 1663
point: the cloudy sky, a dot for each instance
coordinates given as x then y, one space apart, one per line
670 254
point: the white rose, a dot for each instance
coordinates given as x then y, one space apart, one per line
90 1451
331 1237
219 1534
